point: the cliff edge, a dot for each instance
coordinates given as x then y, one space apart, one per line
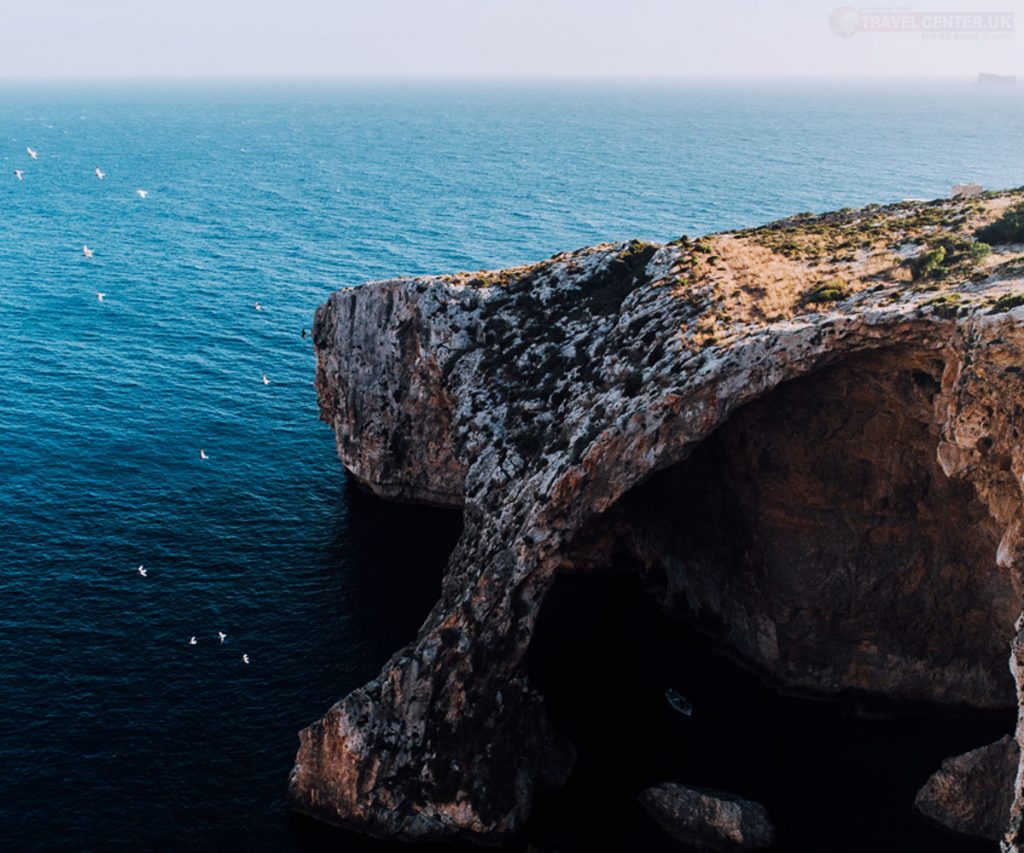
807 433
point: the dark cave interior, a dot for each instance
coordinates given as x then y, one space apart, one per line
811 543
844 770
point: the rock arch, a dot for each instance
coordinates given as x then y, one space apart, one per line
451 740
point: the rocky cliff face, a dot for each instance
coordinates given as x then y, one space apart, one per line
805 435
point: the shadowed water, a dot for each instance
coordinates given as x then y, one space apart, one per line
114 733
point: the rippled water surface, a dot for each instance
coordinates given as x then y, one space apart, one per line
116 734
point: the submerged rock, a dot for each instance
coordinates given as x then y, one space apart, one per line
971 794
806 435
711 820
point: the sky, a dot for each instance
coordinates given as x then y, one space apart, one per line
516 38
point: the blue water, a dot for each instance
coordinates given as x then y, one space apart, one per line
114 733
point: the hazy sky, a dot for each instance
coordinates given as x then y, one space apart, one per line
501 37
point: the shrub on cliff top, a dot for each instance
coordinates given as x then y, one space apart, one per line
952 255
929 264
1008 228
833 290
980 251
1007 302
947 305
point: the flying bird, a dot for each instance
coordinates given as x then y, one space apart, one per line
99 296
265 380
222 636
202 454
20 175
192 641
142 193
87 251
32 153
142 571
100 173
245 658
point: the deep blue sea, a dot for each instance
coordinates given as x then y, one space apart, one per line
114 732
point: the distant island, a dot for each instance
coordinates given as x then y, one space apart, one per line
996 79
808 433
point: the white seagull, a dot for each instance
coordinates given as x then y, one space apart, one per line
20 175
245 658
192 641
142 193
32 153
141 570
87 251
257 306
99 296
100 173
265 380
222 636
202 454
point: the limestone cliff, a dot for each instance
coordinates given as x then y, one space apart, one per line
805 435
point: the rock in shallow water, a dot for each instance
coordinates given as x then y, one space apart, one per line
712 820
971 794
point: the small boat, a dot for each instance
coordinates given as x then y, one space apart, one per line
679 702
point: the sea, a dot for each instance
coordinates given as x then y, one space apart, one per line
117 733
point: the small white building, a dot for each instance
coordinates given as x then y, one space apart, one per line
967 191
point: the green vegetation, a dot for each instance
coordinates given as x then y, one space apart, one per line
1007 302
833 290
980 251
1008 228
839 235
951 255
929 264
947 305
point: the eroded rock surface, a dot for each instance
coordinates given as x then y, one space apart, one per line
815 528
971 794
807 432
709 820
1014 839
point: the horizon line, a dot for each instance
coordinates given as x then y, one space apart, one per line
468 78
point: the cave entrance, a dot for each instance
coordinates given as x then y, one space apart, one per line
811 549
832 780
